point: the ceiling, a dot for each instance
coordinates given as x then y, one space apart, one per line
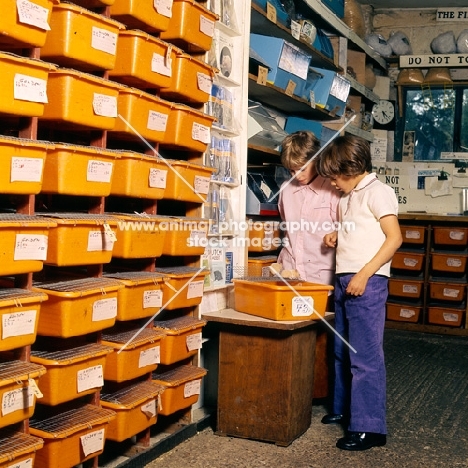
415 3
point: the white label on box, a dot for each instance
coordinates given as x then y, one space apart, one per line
192 388
29 88
91 377
457 235
157 178
413 235
149 408
200 133
265 189
92 442
33 385
302 306
194 341
195 289
99 171
197 237
207 26
19 323
99 241
102 39
450 292
312 99
204 82
161 64
157 121
26 169
410 289
449 317
201 184
105 105
152 298
407 313
33 14
149 357
410 262
164 7
454 262
30 247
104 309
28 463
18 399
296 29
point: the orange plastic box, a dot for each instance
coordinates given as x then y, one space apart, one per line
275 300
141 295
71 437
451 236
94 48
79 170
449 262
404 260
264 237
140 175
151 16
188 181
71 373
403 312
142 116
182 388
413 234
188 129
18 449
447 291
185 235
445 316
405 287
17 394
259 266
24 84
22 165
136 408
192 80
78 307
23 243
19 310
182 286
143 61
81 101
136 352
183 338
15 27
192 26
81 239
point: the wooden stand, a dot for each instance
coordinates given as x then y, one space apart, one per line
266 376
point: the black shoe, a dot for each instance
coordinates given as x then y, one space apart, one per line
361 441
333 419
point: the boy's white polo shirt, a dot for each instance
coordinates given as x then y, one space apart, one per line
361 236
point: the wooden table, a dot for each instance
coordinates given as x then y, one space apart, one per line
266 376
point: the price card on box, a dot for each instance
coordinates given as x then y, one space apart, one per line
104 40
149 357
194 341
17 399
205 82
202 184
92 442
195 289
99 241
91 377
30 247
163 7
105 105
29 88
104 309
26 169
157 178
33 14
99 171
19 323
149 408
192 388
152 298
200 133
157 121
302 306
161 65
207 26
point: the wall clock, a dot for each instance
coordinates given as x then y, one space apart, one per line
384 114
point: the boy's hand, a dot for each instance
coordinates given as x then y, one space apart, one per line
357 284
330 239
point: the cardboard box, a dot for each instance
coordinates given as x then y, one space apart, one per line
357 62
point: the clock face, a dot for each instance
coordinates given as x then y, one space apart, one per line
383 112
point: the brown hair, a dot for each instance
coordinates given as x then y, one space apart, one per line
298 148
347 155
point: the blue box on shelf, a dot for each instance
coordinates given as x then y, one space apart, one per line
323 44
336 6
281 14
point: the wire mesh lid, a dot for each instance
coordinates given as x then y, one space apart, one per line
182 271
18 219
81 218
13 444
179 324
81 286
65 424
17 296
137 277
25 141
16 371
141 217
134 394
68 356
179 375
94 150
119 339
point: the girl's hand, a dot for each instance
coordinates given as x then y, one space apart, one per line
358 283
330 239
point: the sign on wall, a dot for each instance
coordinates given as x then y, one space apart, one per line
434 60
452 14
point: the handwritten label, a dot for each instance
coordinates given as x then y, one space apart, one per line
454 262
149 409
410 262
161 65
290 88
29 88
33 14
450 317
407 313
104 40
296 29
105 309
157 178
195 289
163 7
149 357
201 184
450 292
157 121
19 323
192 388
17 399
197 237
200 133
262 75
28 463
92 442
35 389
207 26
91 377
312 99
99 241
413 235
105 105
194 341
457 235
26 169
410 289
30 247
204 82
265 189
99 171
302 306
152 298
271 12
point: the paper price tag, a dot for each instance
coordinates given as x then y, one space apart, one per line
104 309
26 169
195 289
99 241
27 463
19 323
302 306
194 341
104 40
33 14
30 247
110 234
312 99
149 357
17 399
265 189
192 388
157 121
157 178
152 298
92 442
99 171
271 12
200 133
205 82
29 88
290 88
207 26
163 7
201 184
104 105
161 64
35 389
92 377
262 75
149 409
296 29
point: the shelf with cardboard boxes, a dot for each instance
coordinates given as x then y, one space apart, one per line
428 283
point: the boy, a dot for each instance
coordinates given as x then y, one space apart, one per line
365 244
